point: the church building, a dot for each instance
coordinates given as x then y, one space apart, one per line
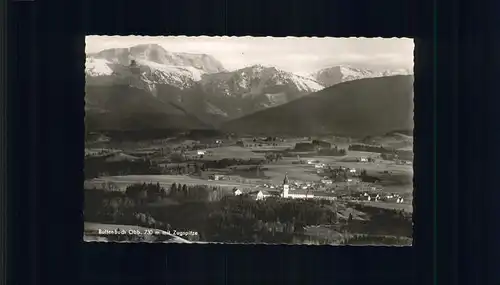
296 193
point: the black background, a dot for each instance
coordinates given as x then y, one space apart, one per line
456 160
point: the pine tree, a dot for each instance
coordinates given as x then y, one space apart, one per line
173 190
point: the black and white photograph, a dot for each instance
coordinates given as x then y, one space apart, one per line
249 140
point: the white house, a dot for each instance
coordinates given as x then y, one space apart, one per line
333 198
299 194
326 181
363 159
369 197
201 152
352 170
257 195
237 192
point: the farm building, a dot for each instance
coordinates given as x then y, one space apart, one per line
299 194
216 177
201 152
237 192
372 197
258 195
325 195
211 175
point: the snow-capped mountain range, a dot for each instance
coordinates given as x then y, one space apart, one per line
338 74
200 85
257 79
157 54
154 64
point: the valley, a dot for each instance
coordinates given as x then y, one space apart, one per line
256 167
201 148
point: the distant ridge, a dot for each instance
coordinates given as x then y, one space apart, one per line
372 106
342 73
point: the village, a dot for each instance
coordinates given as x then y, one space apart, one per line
200 184
256 167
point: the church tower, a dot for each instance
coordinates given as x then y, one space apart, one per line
284 194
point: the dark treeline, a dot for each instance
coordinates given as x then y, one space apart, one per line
321 148
273 157
138 135
196 193
367 178
241 219
218 216
383 222
132 207
98 166
117 208
322 144
242 144
334 151
183 168
370 148
304 147
227 162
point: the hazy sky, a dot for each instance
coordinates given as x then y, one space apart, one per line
300 55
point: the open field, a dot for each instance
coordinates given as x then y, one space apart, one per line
231 152
164 180
393 178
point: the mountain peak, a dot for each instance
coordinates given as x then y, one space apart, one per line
155 53
257 67
341 73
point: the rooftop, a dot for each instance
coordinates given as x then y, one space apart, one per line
301 192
